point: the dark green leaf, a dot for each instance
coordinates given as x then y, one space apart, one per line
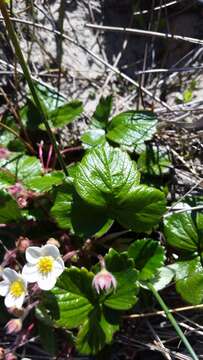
189 280
75 297
86 219
132 128
124 296
9 210
140 209
95 333
65 114
181 232
47 338
148 256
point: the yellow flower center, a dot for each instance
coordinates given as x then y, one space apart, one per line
45 264
17 288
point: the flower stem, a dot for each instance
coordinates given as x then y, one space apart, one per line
173 321
14 39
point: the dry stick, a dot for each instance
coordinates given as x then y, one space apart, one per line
145 33
142 12
161 312
96 57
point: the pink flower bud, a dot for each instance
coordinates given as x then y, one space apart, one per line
10 356
2 353
4 153
104 280
15 189
13 326
22 244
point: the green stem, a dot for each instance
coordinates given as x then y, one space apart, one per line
173 322
20 57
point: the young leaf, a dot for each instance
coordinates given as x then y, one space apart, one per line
65 114
45 182
132 128
181 232
75 297
104 175
148 256
102 113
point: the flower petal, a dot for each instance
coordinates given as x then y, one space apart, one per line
9 300
4 288
58 267
32 254
47 282
50 250
9 274
19 301
30 273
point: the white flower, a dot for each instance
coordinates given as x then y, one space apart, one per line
44 266
13 287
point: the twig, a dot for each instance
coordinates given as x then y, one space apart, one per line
161 312
145 33
158 7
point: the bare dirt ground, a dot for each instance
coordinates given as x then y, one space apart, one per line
141 71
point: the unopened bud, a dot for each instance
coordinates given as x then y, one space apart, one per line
22 244
10 356
2 353
104 280
53 241
4 153
13 326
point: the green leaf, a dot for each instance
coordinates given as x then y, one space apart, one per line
65 114
140 209
104 175
6 178
75 296
9 210
180 231
47 338
94 137
95 333
22 166
86 219
102 113
132 128
124 297
189 280
72 212
45 182
163 277
61 210
148 256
